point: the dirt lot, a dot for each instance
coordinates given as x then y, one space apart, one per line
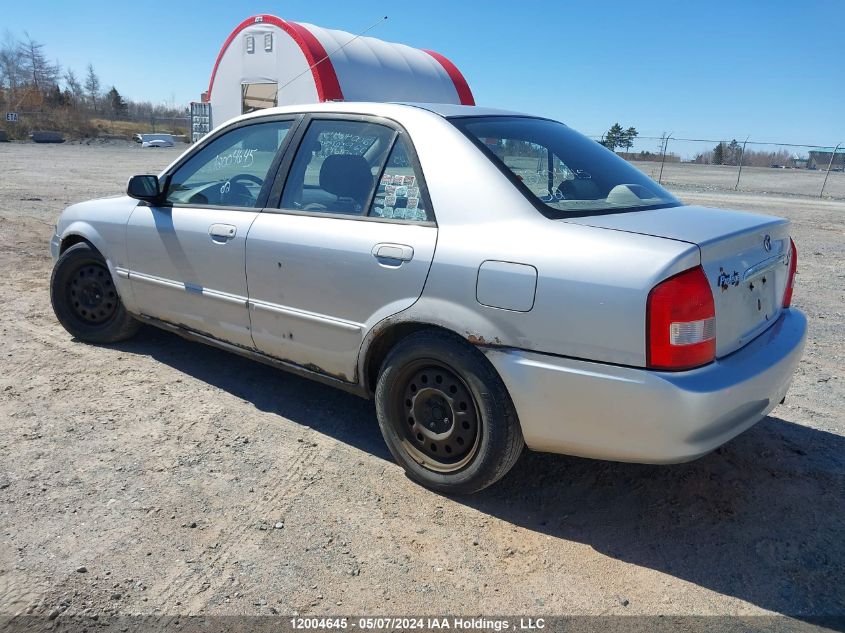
707 178
185 480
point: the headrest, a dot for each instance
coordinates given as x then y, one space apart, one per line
579 189
346 176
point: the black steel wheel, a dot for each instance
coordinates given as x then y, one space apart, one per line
85 299
445 413
90 294
439 418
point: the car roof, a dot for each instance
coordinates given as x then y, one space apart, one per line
377 108
453 110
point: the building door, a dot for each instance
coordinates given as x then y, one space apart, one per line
258 96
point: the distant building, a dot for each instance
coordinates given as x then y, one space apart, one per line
820 158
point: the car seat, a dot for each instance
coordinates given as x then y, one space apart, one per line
348 177
579 189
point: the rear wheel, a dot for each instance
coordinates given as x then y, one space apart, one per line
85 299
445 414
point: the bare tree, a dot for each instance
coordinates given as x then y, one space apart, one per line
74 86
92 86
40 72
11 71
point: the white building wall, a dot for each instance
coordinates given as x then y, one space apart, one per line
281 65
369 69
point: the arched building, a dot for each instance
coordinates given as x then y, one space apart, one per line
267 61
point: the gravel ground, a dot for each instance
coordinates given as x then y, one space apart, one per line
162 476
804 182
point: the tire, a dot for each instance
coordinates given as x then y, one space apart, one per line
85 299
445 414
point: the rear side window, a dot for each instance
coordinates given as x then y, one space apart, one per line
336 167
562 172
398 194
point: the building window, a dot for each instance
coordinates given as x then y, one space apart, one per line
250 44
268 42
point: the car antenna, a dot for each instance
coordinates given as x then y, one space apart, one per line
328 55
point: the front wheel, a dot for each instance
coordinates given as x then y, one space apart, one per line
445 414
85 299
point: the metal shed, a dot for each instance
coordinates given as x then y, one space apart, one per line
267 61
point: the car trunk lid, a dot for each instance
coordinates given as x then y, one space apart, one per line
744 256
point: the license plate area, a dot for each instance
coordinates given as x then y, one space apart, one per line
759 299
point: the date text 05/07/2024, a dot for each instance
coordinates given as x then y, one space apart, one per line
386 623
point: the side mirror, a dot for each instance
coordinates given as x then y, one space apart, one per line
144 188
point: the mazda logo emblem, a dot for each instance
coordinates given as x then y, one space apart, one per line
767 243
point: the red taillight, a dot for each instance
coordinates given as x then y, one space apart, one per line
681 322
790 280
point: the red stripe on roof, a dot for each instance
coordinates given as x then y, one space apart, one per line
461 85
325 78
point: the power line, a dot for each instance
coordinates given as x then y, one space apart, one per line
338 49
710 140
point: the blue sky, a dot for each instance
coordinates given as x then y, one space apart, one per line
774 70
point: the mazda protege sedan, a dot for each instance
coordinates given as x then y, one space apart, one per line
491 279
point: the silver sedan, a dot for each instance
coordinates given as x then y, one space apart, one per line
491 279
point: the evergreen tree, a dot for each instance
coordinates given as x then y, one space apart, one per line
116 103
732 152
614 137
628 138
719 154
55 98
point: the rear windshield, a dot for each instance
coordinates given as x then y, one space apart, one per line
562 172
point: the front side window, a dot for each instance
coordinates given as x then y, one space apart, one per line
336 166
564 173
230 171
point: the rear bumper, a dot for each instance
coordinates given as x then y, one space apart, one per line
628 414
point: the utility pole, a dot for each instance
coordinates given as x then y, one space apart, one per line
829 166
741 156
663 158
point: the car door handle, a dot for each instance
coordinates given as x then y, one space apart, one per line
222 232
397 252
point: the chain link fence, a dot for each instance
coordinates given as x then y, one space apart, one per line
740 164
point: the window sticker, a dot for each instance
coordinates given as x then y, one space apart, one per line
410 180
413 203
390 190
401 192
388 212
239 157
399 179
415 214
413 192
386 179
389 201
